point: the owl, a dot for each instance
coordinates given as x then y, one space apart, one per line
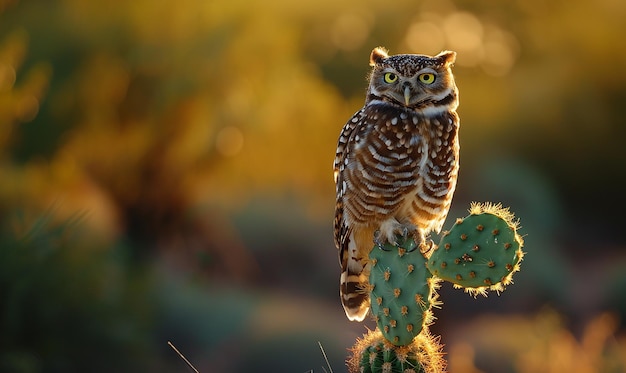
396 164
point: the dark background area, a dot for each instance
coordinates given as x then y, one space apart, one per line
166 175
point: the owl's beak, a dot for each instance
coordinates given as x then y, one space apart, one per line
407 95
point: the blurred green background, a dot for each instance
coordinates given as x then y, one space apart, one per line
166 175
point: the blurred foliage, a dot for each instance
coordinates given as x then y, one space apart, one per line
197 137
68 305
538 343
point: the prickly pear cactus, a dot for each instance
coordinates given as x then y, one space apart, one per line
481 251
402 290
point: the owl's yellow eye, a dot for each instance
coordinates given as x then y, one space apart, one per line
390 77
427 78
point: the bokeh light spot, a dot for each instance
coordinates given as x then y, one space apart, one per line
425 37
501 51
499 59
464 34
7 77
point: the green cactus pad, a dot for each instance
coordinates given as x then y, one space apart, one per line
374 354
402 290
481 252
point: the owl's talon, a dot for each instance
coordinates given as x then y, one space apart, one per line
381 246
405 232
380 240
426 246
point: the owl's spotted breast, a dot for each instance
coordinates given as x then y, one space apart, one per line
396 157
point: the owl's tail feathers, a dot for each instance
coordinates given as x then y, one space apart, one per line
354 294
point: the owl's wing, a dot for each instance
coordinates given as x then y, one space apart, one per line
341 230
354 299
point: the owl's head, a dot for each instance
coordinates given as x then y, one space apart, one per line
411 80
